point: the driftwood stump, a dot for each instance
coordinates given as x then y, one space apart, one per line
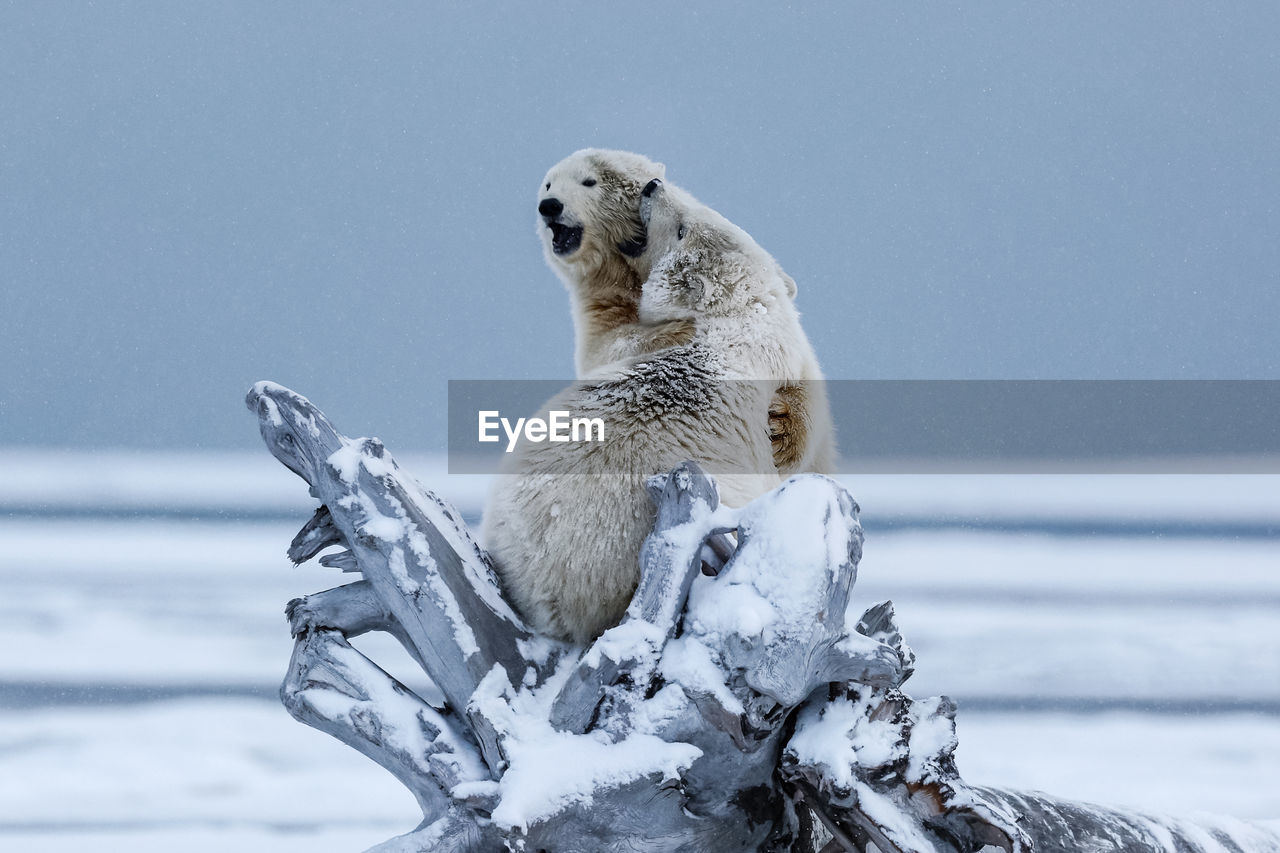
719 715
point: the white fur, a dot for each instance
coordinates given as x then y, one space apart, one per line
603 282
566 521
745 308
708 270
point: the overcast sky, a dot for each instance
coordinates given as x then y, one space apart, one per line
340 197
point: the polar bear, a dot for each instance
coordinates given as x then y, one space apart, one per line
682 234
594 239
565 521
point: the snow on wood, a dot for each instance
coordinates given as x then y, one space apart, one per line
723 713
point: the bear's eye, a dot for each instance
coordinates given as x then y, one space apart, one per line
548 185
680 232
589 182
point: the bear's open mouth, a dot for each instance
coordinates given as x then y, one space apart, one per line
565 239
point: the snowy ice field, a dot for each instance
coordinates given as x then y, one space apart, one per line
1109 638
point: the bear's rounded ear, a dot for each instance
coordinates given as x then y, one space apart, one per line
788 281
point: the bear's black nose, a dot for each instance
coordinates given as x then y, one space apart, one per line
550 207
650 187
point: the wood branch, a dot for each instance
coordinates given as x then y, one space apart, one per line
624 660
353 609
1059 826
419 560
332 687
727 703
879 767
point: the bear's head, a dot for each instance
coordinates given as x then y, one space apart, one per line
588 211
701 264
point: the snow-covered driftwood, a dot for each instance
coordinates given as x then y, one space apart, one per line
718 715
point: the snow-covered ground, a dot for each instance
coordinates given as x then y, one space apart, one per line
1111 638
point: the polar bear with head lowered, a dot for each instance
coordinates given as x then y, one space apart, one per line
565 521
684 236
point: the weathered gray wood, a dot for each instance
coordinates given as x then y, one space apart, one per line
726 800
722 708
879 768
667 568
1060 826
316 535
332 687
417 557
669 561
352 609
